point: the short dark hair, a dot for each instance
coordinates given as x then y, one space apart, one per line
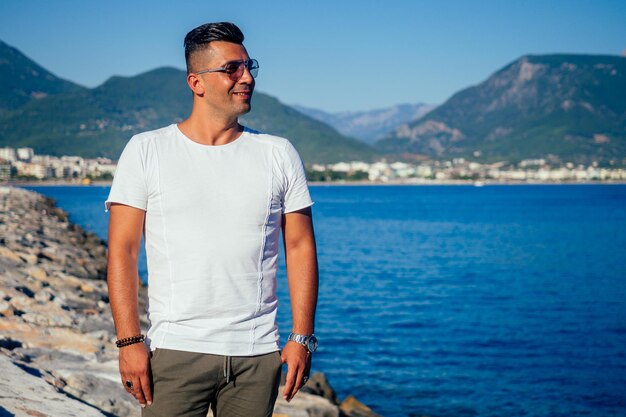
199 38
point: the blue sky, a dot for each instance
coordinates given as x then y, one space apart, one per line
335 56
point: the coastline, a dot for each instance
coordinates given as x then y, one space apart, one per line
55 318
56 322
477 183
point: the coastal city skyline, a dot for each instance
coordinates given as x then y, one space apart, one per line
408 50
24 165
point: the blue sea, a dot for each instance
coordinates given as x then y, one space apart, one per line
459 300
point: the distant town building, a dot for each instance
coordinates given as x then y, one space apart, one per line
8 154
25 154
29 169
5 169
340 167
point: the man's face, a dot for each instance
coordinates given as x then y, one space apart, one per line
225 96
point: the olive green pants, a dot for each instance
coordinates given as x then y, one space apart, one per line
187 384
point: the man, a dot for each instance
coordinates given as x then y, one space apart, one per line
210 197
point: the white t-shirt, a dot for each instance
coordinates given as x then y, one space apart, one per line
213 218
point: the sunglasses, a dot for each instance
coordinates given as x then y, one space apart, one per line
235 69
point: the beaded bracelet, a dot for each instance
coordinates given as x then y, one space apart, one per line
129 340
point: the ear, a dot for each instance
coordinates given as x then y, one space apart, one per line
195 84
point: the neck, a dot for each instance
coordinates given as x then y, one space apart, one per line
210 129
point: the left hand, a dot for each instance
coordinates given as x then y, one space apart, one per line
298 360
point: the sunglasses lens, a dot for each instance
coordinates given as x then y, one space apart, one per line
253 67
234 72
235 69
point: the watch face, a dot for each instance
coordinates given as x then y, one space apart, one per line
312 344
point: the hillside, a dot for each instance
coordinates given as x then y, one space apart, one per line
568 106
99 121
23 80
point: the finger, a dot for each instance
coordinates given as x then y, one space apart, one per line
132 384
146 387
307 369
297 371
298 383
289 381
126 387
138 392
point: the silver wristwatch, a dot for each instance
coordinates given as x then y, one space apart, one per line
309 342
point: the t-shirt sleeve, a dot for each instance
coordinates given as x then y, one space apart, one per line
129 180
297 192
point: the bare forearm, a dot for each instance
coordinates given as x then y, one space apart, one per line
302 274
122 279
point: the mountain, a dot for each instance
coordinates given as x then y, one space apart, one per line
315 141
73 120
23 80
99 121
569 106
368 126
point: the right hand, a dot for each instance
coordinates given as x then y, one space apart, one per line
135 367
298 360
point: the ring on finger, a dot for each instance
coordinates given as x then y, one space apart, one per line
129 384
305 379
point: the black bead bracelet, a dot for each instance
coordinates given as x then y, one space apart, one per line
129 340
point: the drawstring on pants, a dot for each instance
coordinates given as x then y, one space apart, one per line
227 367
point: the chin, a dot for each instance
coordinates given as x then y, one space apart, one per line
243 110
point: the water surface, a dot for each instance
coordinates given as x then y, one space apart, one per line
461 300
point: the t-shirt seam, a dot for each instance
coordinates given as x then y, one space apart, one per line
283 171
299 207
262 248
289 174
142 140
167 248
144 169
142 157
289 161
125 201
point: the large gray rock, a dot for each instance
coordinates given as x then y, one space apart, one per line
305 405
24 394
352 407
319 385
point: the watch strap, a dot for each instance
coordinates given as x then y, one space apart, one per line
301 339
298 338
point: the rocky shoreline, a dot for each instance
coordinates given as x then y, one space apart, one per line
56 331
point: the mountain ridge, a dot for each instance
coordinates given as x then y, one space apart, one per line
563 106
368 125
566 105
23 80
99 121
